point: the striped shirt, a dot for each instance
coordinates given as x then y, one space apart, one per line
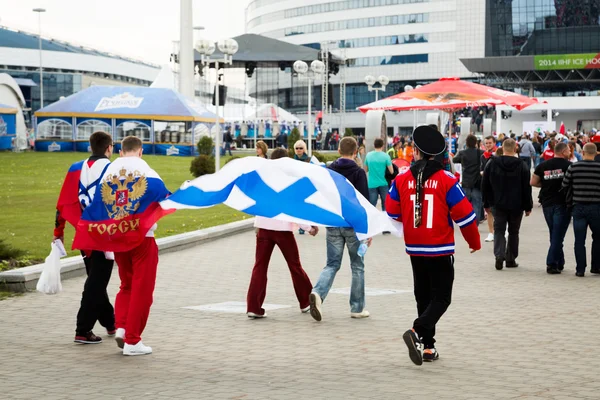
583 178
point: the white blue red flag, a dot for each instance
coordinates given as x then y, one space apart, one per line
124 209
287 190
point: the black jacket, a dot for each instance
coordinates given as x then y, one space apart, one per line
470 159
505 184
355 174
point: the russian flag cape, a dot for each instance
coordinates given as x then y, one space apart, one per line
286 190
68 200
125 207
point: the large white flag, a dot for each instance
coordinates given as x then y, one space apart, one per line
287 190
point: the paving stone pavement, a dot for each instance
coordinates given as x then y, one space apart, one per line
510 334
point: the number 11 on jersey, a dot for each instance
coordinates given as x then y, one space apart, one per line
429 200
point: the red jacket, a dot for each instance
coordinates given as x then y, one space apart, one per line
444 202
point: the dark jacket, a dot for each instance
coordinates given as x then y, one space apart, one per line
470 159
505 184
355 174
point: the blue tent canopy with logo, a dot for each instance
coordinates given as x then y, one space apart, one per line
8 126
166 121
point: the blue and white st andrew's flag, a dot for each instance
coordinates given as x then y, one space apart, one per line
287 190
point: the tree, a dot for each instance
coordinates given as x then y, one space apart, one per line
348 132
205 146
293 137
202 165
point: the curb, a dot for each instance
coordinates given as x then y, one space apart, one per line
24 279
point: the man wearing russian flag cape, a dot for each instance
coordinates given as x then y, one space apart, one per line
121 219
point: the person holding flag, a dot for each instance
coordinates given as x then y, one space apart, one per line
424 198
121 219
77 193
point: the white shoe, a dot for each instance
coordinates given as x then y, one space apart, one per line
254 316
305 310
315 306
138 349
506 235
120 337
490 237
363 314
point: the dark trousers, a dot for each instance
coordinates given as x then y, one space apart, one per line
95 304
433 278
584 216
558 218
527 161
266 240
513 219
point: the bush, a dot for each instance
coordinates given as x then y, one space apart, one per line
231 159
205 146
331 157
291 152
293 137
319 156
8 252
239 143
202 165
348 132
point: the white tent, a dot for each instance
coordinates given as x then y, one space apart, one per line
273 112
11 95
166 79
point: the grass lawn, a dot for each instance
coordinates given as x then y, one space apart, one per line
30 184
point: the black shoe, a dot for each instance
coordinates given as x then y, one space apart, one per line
552 270
561 267
414 346
387 232
580 274
595 271
499 264
430 355
88 338
512 265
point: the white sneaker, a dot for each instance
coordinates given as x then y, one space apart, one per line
490 237
315 306
254 316
305 310
138 349
363 314
120 337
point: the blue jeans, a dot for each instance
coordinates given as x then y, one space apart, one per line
585 215
558 218
228 148
474 196
337 238
376 193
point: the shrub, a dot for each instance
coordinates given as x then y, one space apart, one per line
231 159
205 146
319 156
293 137
291 152
348 132
8 252
202 165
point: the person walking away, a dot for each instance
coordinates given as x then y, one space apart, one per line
300 153
338 238
490 150
228 140
76 194
537 145
470 159
548 153
549 177
271 233
506 189
527 151
375 165
582 182
423 198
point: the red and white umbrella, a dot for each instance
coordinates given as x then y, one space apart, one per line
449 94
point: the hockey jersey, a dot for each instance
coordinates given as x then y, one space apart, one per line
444 202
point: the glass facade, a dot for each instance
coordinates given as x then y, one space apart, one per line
388 60
324 8
377 41
357 23
538 27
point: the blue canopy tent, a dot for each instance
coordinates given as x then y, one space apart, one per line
165 120
8 126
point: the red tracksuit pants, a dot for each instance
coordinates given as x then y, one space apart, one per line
137 269
265 243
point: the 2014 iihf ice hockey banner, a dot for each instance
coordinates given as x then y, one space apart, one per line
284 189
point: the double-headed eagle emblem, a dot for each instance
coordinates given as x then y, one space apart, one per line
121 193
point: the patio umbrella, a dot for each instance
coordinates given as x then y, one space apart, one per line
449 94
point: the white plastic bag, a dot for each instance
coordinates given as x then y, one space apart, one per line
49 281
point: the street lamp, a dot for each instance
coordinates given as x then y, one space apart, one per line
40 11
371 81
316 69
206 48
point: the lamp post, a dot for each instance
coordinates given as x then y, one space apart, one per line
206 48
316 68
371 81
40 11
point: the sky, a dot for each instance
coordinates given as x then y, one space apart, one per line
139 29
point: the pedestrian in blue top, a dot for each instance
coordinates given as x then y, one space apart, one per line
376 162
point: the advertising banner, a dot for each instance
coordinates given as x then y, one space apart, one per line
567 61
